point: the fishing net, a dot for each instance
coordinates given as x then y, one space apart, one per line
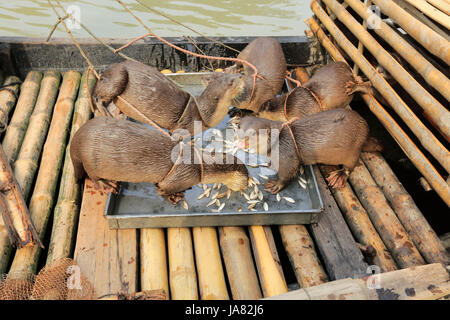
61 280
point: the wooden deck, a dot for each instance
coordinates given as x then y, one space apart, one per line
366 223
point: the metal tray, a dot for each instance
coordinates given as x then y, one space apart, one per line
140 206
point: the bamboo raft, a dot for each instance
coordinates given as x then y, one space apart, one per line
373 220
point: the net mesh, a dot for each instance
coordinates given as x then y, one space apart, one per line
61 280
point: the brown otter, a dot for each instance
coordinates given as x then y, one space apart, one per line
331 86
161 100
109 150
333 137
267 56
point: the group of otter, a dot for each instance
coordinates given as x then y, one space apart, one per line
313 125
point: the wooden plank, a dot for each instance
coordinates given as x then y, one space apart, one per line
341 255
424 282
108 258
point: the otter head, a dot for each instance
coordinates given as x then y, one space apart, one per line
256 134
215 100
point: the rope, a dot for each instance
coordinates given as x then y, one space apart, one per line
288 125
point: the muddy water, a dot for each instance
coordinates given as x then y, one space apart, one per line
106 18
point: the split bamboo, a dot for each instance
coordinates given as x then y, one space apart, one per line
19 121
362 228
211 279
183 278
421 233
424 282
434 109
304 260
8 97
27 162
13 207
67 208
239 265
153 260
41 203
423 34
384 219
413 153
431 12
269 268
431 75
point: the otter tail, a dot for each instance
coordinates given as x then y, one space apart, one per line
372 144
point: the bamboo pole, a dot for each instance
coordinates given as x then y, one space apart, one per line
8 97
19 121
421 233
384 219
362 228
413 153
423 34
183 278
434 109
432 12
27 162
431 75
41 203
211 278
304 260
12 142
269 267
235 247
153 260
67 208
13 207
441 5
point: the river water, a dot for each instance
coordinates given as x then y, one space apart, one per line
107 18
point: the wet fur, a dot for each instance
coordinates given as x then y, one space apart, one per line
328 84
333 137
160 99
120 150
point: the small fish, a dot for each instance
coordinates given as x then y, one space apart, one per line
221 206
211 202
217 202
250 207
278 197
185 205
201 196
303 180
303 185
245 196
256 181
239 209
215 195
302 170
264 177
260 196
253 201
228 193
288 199
266 206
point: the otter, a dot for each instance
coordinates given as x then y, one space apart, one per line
333 137
331 86
110 150
161 100
267 56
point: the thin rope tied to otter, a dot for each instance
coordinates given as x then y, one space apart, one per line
288 125
179 158
307 89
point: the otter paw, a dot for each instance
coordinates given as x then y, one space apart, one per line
273 186
174 198
337 178
110 186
